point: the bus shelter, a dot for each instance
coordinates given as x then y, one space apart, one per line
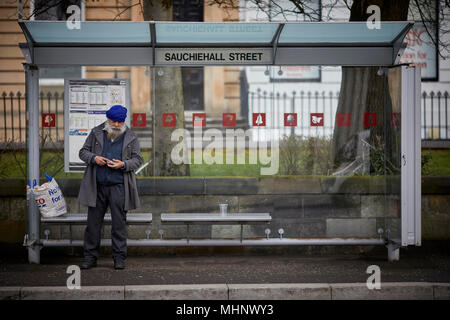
396 217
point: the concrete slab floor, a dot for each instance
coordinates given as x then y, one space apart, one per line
160 266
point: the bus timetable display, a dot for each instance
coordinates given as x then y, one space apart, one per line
85 104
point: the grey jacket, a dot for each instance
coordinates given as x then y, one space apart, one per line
131 155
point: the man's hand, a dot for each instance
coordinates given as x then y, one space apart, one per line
117 164
101 161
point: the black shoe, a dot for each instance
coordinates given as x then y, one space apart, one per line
88 264
119 264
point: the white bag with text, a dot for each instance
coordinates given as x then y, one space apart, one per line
49 199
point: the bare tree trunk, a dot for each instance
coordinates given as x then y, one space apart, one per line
168 98
364 91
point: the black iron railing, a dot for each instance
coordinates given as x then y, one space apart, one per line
13 124
434 123
435 114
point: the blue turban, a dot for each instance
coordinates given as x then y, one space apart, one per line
117 113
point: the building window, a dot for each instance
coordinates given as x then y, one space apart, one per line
56 10
280 10
192 77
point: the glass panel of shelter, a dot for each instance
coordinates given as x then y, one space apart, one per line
322 156
322 142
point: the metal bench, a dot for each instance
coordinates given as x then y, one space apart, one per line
81 218
215 218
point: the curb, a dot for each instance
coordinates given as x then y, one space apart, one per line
276 291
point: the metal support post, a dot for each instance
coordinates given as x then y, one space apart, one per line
32 100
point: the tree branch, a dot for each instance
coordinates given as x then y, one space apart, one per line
434 39
128 8
44 8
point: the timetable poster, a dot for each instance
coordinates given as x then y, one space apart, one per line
85 104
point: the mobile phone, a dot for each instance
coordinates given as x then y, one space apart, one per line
110 161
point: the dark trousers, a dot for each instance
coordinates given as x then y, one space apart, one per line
114 197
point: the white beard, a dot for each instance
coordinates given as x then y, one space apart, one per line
113 132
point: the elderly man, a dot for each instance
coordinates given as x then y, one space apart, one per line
112 153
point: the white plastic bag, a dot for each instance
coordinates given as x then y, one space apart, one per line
50 200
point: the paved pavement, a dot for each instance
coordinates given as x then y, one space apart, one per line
326 267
